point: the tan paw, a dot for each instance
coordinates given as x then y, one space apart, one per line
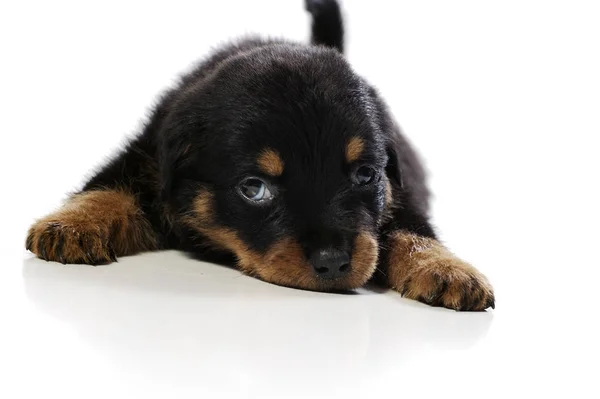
448 282
423 269
71 242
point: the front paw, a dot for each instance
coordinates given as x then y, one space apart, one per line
450 283
68 242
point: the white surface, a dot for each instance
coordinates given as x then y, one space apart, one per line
501 97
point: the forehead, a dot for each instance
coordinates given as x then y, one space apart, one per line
310 110
306 139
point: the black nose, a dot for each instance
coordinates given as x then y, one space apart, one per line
330 263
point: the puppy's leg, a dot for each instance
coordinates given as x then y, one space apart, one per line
423 269
417 265
92 227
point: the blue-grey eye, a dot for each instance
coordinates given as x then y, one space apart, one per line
255 190
364 175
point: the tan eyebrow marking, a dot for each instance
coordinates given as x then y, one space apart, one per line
270 162
354 149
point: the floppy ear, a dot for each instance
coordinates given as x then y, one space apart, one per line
173 157
173 148
180 137
165 167
392 137
406 171
393 169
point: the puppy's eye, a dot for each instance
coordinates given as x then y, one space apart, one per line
364 175
255 190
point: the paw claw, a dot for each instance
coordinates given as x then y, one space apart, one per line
29 242
111 253
439 292
58 250
42 249
405 287
90 258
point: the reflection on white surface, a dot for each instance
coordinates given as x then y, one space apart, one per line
190 323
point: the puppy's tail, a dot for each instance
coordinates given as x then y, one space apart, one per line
327 23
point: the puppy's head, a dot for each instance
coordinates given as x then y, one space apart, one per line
277 157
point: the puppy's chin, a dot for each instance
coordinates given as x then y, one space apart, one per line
285 264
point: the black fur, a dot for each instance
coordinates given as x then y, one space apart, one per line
303 101
327 26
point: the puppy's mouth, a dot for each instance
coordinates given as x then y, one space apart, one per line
285 264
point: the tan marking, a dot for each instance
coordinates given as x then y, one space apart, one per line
202 209
388 210
270 162
92 227
284 263
354 149
365 253
423 269
389 199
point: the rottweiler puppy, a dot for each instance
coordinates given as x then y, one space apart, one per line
276 156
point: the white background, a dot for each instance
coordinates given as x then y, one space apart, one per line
502 99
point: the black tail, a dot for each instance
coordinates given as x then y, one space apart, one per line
327 24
